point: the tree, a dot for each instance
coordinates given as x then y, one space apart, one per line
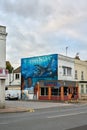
9 67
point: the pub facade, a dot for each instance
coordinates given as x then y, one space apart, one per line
49 77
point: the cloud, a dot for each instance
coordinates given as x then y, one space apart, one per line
43 8
37 27
35 9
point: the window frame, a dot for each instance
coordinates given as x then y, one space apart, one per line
76 74
67 71
44 92
82 75
17 76
82 89
86 88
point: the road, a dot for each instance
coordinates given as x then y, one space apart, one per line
59 118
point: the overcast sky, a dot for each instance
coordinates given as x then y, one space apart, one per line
41 27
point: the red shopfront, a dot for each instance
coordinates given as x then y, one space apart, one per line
57 90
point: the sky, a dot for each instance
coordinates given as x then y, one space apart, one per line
41 27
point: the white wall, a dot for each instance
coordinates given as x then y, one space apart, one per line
2 47
10 80
68 62
2 64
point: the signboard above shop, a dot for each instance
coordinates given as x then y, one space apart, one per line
55 84
3 73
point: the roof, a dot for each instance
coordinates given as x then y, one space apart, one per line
17 70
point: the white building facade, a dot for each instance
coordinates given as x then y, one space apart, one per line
3 72
13 83
81 77
65 68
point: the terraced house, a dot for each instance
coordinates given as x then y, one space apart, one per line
81 77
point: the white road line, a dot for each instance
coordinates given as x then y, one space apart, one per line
70 114
3 123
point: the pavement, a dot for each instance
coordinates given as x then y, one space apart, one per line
31 106
12 110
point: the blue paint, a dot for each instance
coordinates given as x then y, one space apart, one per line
38 68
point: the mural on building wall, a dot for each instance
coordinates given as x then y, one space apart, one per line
38 68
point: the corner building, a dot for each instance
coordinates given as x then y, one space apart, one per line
48 77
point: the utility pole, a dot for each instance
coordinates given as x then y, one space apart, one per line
66 50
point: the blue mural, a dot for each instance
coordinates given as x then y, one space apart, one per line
38 68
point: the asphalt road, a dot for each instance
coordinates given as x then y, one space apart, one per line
63 118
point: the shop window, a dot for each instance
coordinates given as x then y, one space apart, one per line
82 89
44 91
86 88
75 91
55 91
69 90
65 90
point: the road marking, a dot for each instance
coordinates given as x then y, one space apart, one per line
3 123
70 114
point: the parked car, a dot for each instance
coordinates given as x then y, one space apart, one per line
12 95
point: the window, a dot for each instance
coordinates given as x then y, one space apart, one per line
44 91
16 76
64 71
76 77
55 91
65 90
82 89
6 88
67 71
82 75
86 88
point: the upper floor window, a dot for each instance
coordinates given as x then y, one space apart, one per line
64 71
16 76
76 77
82 89
67 71
82 75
